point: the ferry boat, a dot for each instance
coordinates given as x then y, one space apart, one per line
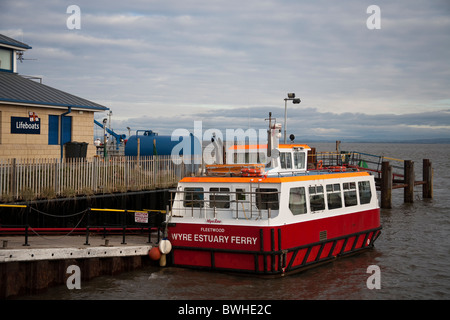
271 220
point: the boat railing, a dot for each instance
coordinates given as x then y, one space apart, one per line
257 205
353 160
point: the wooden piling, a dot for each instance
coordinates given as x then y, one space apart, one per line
386 185
408 193
427 187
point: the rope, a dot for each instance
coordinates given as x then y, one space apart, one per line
60 216
70 232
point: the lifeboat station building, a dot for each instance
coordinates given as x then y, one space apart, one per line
38 121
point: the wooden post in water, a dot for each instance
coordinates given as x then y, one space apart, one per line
408 191
386 185
427 187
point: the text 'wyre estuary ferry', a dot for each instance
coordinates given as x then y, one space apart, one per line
271 220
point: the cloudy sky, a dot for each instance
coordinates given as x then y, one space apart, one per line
162 64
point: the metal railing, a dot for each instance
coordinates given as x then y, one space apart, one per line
121 221
30 179
355 160
236 204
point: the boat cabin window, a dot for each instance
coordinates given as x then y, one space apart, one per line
193 197
286 160
316 198
365 195
267 198
297 200
219 197
350 194
334 199
299 160
240 194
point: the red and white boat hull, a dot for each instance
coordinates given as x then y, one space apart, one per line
272 250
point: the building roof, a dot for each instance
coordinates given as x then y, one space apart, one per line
9 42
19 90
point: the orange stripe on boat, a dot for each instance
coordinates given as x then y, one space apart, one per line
274 180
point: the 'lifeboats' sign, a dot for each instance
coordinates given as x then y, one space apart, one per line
26 125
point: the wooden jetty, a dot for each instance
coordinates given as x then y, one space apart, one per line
388 183
35 258
390 173
45 263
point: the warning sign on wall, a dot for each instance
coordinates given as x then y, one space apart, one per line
141 217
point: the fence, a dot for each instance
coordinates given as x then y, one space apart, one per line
29 179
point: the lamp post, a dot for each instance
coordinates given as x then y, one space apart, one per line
104 138
291 96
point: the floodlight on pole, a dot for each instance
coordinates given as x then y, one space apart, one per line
291 96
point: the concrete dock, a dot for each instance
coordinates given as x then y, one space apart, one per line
44 262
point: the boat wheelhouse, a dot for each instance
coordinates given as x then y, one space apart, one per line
272 220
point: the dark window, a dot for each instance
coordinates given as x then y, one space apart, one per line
240 194
193 197
267 198
316 198
219 197
286 160
299 160
297 200
334 199
350 194
365 195
6 59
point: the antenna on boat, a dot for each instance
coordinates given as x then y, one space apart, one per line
269 140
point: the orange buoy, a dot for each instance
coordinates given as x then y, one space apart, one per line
154 253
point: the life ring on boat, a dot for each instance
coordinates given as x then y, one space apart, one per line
247 172
320 165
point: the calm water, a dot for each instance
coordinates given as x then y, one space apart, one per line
413 254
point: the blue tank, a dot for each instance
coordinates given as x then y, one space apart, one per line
153 144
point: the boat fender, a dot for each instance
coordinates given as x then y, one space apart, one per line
154 253
165 246
162 261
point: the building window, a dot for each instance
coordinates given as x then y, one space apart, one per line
350 194
267 198
297 200
193 197
6 62
334 199
53 129
219 198
316 198
365 195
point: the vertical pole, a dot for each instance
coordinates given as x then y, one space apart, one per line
27 225
427 191
124 226
408 193
386 185
13 178
88 213
285 119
